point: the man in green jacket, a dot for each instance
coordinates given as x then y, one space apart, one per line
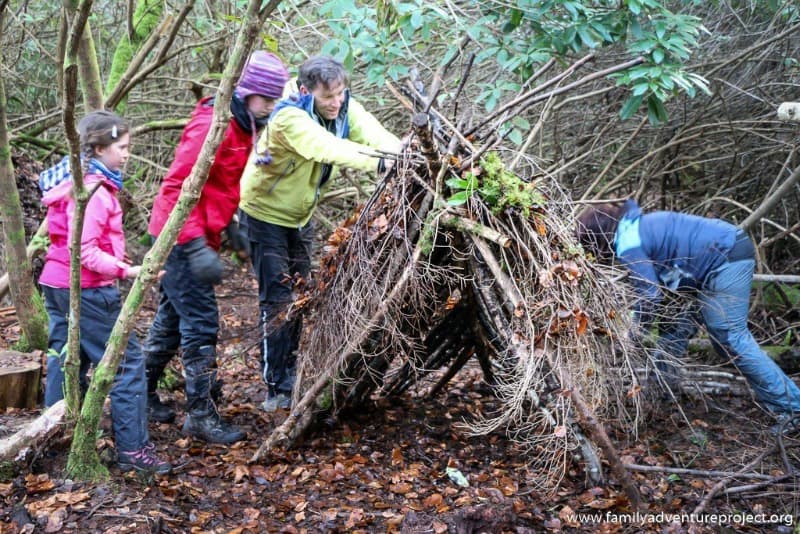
308 135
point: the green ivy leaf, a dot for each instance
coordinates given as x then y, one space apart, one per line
631 106
457 183
515 136
458 199
656 113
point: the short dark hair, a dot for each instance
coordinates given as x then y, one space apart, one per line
596 227
323 70
101 128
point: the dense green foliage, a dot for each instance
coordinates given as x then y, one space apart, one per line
521 36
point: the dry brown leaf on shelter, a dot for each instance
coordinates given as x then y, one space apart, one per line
582 322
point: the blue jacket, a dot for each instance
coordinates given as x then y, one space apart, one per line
669 249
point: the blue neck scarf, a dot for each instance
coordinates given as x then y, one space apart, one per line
96 167
61 172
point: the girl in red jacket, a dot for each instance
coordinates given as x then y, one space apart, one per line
187 316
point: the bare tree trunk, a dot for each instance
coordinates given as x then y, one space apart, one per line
83 461
27 302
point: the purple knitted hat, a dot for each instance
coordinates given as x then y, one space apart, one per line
265 75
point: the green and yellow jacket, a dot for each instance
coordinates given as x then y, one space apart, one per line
305 153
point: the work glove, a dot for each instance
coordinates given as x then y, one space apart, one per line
204 262
238 239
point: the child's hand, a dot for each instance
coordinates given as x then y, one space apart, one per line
133 271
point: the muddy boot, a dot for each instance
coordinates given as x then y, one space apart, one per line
216 387
202 420
156 410
209 427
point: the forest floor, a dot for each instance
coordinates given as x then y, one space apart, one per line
385 469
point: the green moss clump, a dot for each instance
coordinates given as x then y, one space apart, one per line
170 379
8 471
38 328
779 296
325 398
145 20
502 189
426 235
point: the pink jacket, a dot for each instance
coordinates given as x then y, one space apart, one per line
102 242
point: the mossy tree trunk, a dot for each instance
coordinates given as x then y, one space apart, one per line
144 22
91 84
83 461
27 301
88 462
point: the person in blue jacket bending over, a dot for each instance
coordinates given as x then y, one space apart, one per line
710 260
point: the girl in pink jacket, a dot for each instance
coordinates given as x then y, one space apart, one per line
105 145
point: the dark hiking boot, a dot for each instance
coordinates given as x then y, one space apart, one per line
158 411
143 460
216 391
210 427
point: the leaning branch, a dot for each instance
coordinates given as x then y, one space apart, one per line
771 201
468 225
33 434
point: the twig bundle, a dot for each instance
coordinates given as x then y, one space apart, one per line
412 284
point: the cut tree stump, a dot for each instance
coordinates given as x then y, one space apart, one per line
19 379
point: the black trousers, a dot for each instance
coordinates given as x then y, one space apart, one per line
278 253
188 318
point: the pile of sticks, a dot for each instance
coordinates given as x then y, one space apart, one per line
413 286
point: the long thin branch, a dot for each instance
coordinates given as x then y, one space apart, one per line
613 159
771 201
724 482
526 96
792 30
759 485
779 278
695 472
